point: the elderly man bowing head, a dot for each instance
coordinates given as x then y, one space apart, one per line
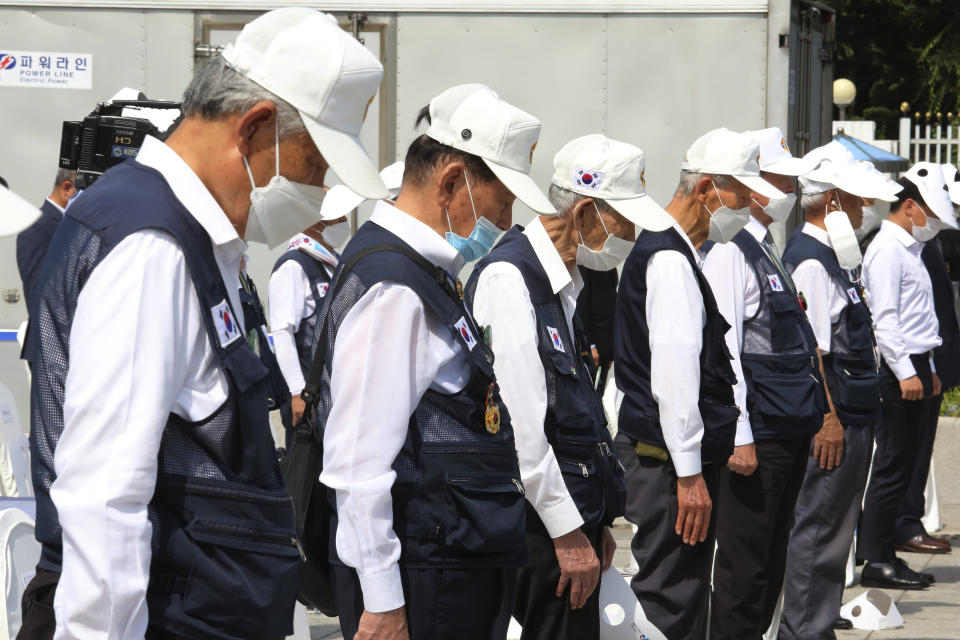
150 439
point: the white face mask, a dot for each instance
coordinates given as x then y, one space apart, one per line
614 250
336 234
726 222
282 208
843 239
928 231
780 209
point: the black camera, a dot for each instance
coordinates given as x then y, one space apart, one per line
110 135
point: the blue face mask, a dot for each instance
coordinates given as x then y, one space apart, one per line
481 239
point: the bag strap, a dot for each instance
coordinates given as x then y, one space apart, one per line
440 276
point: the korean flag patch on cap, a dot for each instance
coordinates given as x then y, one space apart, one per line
775 283
228 329
555 338
466 334
587 178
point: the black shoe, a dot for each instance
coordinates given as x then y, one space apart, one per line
893 575
929 577
842 624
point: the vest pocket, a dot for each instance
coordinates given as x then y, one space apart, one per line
488 514
585 487
855 387
785 332
786 396
242 578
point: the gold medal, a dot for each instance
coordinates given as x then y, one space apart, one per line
492 415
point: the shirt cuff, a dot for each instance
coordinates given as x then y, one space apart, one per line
902 369
382 591
561 518
686 463
744 432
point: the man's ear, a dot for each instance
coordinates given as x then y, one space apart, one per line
579 213
447 180
252 121
703 189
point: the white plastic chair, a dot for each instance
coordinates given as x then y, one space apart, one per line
21 551
931 517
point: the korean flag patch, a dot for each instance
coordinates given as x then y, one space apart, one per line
466 334
555 338
774 281
587 178
228 329
322 288
854 296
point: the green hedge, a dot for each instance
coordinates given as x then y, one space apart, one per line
951 403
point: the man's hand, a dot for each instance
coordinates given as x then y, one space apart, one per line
596 356
297 406
579 567
743 460
693 518
609 546
828 443
937 387
911 389
389 625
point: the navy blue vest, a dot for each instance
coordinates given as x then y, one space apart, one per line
779 356
946 357
575 424
32 244
639 413
225 562
319 281
255 321
457 500
851 366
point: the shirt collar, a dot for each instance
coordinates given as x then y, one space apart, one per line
190 191
898 232
757 229
58 207
423 239
557 272
817 234
693 250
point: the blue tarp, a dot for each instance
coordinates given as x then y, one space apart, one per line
883 160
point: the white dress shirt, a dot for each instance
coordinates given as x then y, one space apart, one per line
676 317
58 207
901 299
138 351
825 298
734 284
389 350
502 301
292 303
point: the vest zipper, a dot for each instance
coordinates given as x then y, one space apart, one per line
519 486
583 470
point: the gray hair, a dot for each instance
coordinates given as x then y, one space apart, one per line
217 90
689 180
564 200
65 175
816 202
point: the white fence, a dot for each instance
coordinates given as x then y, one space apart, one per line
929 142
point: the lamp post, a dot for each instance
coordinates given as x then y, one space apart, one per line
844 93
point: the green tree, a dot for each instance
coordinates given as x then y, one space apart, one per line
898 51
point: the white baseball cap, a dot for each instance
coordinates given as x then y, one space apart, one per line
610 170
727 153
837 169
340 200
952 178
16 214
775 156
928 176
306 59
472 118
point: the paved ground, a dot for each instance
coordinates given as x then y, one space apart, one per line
933 614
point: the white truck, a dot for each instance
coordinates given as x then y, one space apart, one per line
656 73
